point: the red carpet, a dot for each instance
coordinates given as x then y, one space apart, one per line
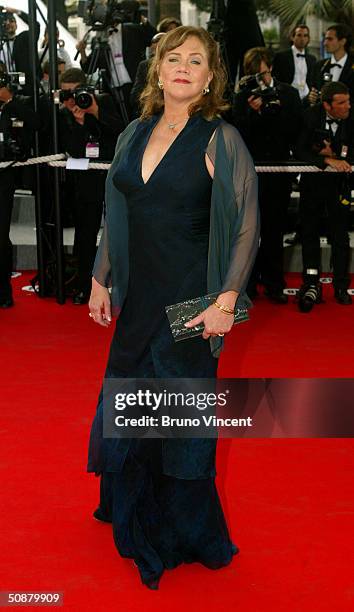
289 502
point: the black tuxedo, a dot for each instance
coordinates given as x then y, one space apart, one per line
323 192
284 67
314 122
346 77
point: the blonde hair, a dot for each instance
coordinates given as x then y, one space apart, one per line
211 104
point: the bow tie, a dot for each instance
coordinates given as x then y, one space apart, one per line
300 55
113 30
335 66
331 121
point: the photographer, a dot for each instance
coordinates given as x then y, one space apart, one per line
339 67
17 124
326 140
15 51
89 127
127 42
268 115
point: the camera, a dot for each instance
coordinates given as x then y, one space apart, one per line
254 85
327 77
102 14
82 96
13 80
9 148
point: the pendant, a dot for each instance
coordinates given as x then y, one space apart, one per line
172 125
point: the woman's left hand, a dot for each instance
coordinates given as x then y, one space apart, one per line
215 321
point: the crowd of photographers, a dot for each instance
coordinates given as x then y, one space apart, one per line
287 107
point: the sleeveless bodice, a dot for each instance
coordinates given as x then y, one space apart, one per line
168 219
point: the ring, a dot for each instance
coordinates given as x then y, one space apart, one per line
91 315
221 335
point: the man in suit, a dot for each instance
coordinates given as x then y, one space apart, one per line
295 66
15 52
326 140
270 131
338 67
127 43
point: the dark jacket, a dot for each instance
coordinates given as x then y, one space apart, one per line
139 85
104 130
314 123
19 108
135 39
21 54
269 137
284 67
346 77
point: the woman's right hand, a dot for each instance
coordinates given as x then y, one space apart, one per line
100 304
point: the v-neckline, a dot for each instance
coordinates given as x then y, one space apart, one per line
165 154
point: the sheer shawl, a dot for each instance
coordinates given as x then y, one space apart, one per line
234 222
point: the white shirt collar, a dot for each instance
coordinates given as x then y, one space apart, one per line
341 62
296 51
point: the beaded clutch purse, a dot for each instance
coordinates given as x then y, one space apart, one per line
181 313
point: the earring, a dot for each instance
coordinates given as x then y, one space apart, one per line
160 83
206 90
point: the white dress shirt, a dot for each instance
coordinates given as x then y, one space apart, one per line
336 71
117 66
6 55
299 81
331 125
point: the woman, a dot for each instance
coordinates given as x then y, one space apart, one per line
172 233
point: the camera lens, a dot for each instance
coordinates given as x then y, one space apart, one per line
83 99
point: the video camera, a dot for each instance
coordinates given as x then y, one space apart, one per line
103 14
254 85
82 96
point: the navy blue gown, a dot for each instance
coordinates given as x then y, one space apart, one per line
158 519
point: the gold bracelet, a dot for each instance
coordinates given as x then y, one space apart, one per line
224 309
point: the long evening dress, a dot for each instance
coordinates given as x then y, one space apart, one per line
161 520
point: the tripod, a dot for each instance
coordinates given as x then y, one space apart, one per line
102 49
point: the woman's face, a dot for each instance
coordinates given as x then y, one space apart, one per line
185 72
